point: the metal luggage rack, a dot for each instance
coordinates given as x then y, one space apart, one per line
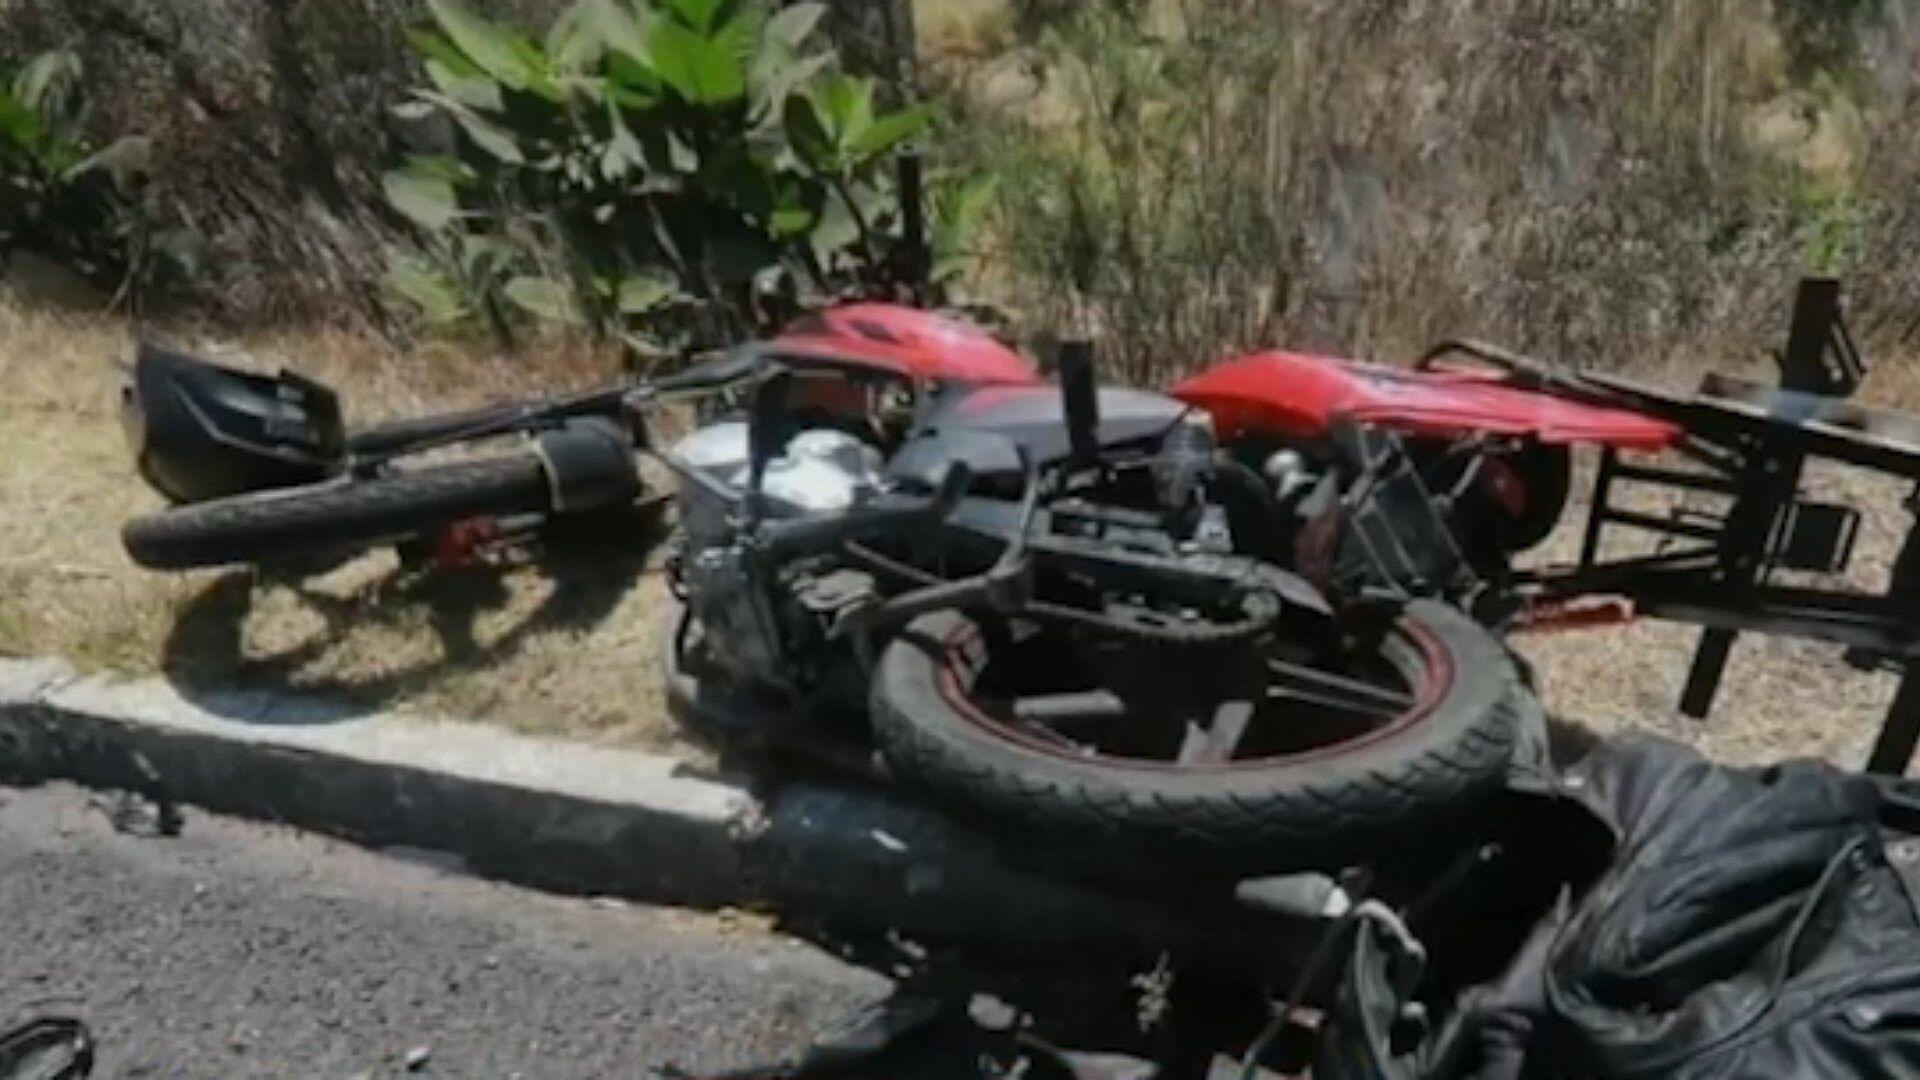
1749 444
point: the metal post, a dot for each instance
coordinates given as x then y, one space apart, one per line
1597 508
1080 393
916 257
1767 485
1815 327
1703 678
1893 750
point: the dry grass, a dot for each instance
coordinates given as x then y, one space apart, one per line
1587 182
566 646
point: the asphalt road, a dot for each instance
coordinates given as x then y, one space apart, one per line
242 950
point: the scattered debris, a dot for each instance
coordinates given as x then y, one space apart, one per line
737 920
1226 1068
148 811
1082 1066
907 947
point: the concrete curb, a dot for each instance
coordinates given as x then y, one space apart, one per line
574 818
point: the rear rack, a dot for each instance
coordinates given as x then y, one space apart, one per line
1749 444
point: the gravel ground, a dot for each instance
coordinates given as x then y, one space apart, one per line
239 950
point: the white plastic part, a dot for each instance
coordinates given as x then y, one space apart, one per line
821 471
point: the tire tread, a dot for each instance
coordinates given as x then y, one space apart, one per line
1311 811
282 523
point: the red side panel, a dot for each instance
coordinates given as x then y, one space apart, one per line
1298 396
904 341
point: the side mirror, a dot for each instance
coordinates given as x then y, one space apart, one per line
1080 394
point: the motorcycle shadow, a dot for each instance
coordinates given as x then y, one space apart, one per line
364 635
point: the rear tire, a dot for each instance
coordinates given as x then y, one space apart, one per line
1319 808
332 517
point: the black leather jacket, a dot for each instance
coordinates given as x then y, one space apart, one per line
1752 922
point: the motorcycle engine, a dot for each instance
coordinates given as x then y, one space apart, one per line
757 631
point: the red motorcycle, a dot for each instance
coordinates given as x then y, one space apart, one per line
907 541
264 470
1376 499
1441 473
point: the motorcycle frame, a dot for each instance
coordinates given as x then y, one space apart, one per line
1019 528
1750 445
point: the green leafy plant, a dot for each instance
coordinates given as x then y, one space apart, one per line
646 168
1830 218
49 201
65 198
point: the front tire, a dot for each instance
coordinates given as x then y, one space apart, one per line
1318 807
328 518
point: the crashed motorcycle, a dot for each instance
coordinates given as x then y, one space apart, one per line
262 469
1446 474
1699 510
1062 607
1052 606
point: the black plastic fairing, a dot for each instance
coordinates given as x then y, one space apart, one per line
202 431
992 459
985 426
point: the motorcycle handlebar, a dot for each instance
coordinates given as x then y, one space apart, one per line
406 434
428 432
734 366
1006 585
431 432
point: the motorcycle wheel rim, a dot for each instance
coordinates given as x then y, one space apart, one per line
1413 651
